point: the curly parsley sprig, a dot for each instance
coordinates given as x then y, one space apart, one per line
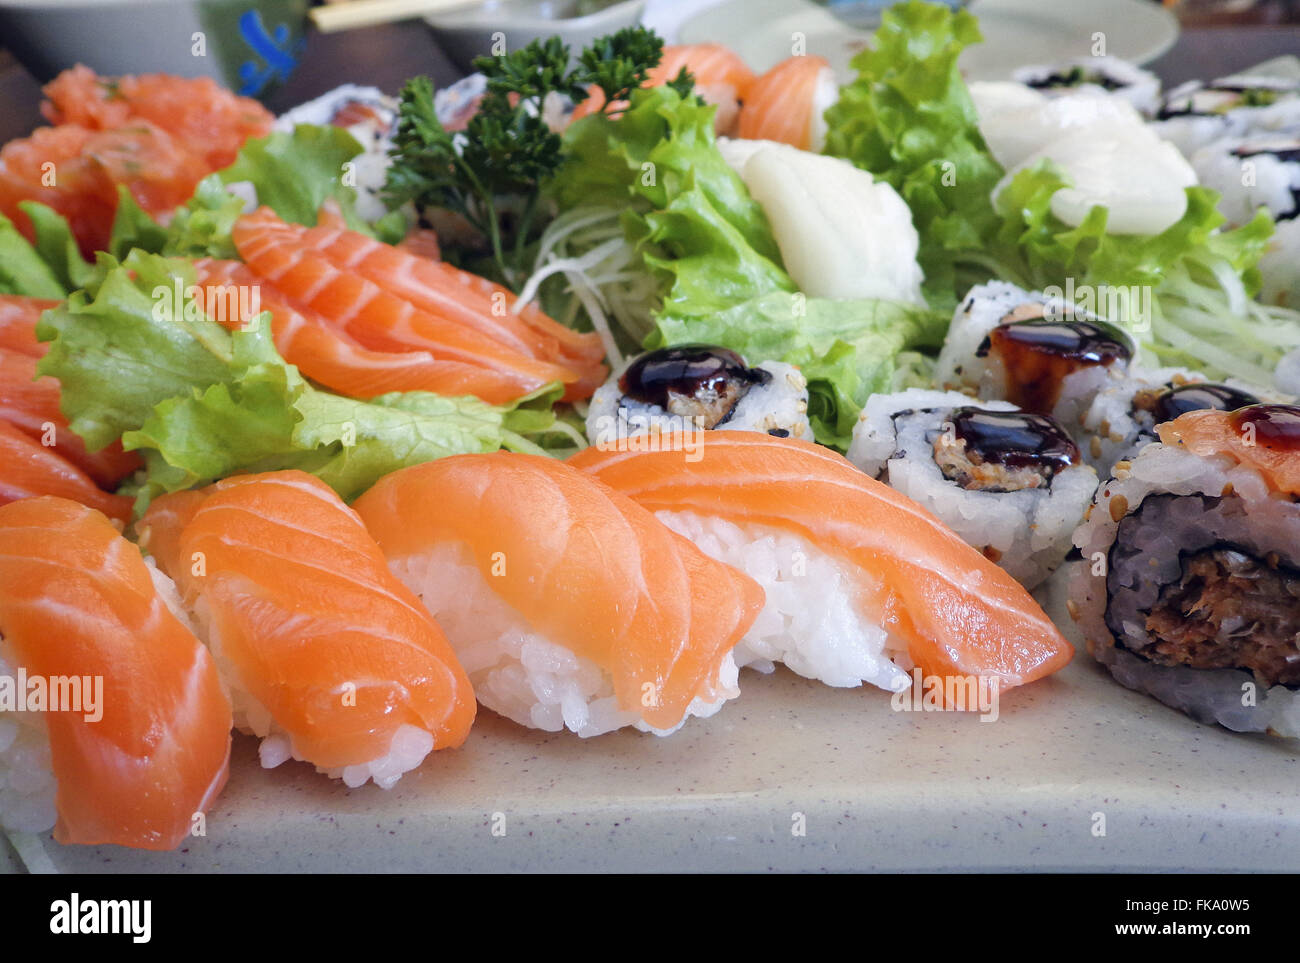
507 152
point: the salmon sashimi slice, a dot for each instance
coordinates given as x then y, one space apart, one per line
78 600
330 658
446 291
449 294
420 241
373 317
329 356
786 103
622 622
1265 438
31 404
958 613
29 469
156 135
18 319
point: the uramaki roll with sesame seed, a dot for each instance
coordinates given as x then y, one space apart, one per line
1188 587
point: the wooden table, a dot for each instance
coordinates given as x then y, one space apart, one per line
386 56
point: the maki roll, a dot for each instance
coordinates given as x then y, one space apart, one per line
1010 483
1196 113
1287 375
1261 170
1279 268
1189 584
699 386
1122 420
1114 76
1044 355
1273 164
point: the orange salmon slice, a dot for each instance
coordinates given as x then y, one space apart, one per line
587 567
308 621
77 599
959 613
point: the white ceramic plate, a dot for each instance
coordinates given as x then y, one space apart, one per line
1069 758
1016 32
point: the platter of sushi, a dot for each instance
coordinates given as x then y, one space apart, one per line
635 462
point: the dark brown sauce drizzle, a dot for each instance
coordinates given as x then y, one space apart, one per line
1197 397
1039 355
687 369
1015 439
1277 427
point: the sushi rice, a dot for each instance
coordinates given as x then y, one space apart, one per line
810 621
519 672
27 783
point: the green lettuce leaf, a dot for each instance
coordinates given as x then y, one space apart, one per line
51 267
687 214
133 227
1044 251
295 173
846 349
202 227
127 346
1185 293
22 270
909 120
200 403
661 148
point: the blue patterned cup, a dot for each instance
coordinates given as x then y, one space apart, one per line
250 46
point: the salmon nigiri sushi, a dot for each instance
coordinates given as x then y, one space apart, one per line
787 103
861 582
139 740
721 78
569 605
329 658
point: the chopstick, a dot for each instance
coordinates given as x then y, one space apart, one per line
370 13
